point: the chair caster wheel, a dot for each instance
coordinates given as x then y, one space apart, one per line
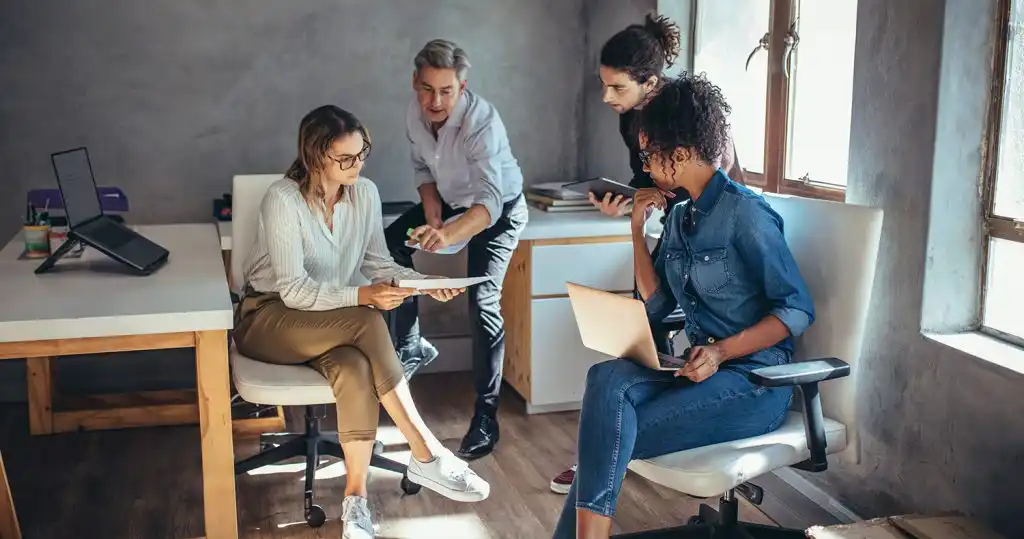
315 516
409 487
695 520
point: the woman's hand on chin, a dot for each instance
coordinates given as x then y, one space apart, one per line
646 200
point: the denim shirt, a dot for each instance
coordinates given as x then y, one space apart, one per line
725 261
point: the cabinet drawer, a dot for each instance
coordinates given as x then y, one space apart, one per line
605 266
558 359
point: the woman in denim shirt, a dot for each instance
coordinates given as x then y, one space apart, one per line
724 259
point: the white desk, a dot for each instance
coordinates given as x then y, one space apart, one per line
224 229
89 306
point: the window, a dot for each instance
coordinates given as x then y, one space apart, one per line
786 68
1003 288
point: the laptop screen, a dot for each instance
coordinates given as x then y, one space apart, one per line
77 186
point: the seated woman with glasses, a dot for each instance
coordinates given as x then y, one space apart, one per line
318 226
724 259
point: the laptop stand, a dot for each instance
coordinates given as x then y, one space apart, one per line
61 251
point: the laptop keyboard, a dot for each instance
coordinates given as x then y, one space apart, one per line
113 236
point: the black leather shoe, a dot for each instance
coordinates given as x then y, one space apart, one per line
482 436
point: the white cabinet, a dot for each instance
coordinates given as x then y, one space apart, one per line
558 358
606 266
545 360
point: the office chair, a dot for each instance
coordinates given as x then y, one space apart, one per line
836 248
285 385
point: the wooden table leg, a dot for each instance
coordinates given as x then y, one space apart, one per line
8 518
214 395
40 394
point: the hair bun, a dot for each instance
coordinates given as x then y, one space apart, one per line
667 33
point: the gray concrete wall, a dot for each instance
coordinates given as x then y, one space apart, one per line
174 97
603 151
941 430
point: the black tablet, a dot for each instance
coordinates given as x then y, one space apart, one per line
600 186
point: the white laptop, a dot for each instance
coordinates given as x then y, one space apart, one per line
617 326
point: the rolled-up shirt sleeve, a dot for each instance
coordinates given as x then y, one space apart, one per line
421 172
484 146
763 247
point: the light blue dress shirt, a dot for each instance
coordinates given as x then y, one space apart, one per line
470 160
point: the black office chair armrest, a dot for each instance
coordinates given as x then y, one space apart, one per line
805 375
801 372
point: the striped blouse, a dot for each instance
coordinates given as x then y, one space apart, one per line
308 265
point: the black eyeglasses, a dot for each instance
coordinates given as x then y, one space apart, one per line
349 161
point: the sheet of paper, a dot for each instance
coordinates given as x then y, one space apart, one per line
433 284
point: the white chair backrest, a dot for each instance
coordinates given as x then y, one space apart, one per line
247 192
836 248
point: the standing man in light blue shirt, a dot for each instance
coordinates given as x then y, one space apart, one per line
471 189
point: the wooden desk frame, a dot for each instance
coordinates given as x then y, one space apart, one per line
51 413
210 405
8 516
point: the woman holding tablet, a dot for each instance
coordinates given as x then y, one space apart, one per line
317 227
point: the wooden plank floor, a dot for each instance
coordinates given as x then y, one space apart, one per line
145 483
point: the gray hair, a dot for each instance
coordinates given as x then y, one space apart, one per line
443 54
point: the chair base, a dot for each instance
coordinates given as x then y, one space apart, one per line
721 523
311 445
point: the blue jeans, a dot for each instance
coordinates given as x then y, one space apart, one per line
632 412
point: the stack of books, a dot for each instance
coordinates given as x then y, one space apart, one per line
551 197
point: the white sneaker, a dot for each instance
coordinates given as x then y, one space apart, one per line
450 477
356 520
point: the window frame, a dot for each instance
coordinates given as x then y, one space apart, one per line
777 101
996 227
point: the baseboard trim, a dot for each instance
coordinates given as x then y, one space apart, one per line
816 496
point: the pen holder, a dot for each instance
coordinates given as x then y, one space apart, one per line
37 241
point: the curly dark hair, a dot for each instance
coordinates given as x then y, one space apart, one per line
643 50
688 112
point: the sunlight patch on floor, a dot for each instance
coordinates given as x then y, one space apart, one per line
454 526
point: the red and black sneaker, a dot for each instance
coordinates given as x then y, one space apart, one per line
561 483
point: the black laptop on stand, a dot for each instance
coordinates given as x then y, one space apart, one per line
88 225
